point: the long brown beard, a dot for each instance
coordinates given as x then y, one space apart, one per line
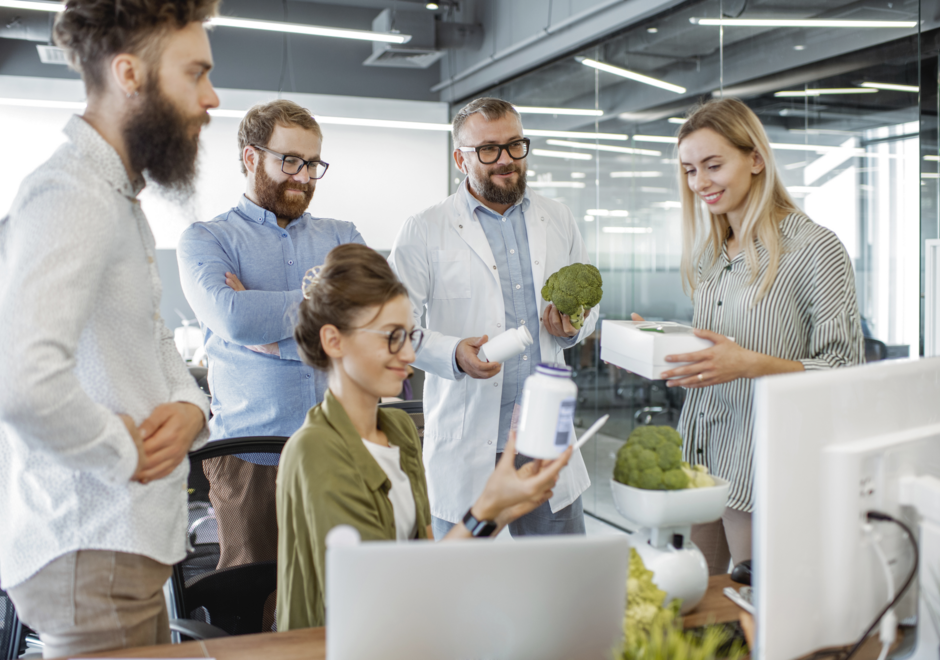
273 196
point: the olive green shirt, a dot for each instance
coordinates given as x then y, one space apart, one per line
327 477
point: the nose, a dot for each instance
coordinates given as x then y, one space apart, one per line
209 98
407 352
303 176
700 181
504 158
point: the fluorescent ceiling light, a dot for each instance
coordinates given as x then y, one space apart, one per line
36 103
803 190
667 205
604 147
589 218
635 175
608 213
555 184
934 158
893 87
314 30
627 230
930 175
800 23
35 6
578 175
665 139
676 120
638 77
826 92
583 135
650 189
581 112
561 154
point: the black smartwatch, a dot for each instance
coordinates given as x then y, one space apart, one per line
478 528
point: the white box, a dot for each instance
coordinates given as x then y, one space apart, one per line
643 351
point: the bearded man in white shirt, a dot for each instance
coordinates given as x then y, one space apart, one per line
97 409
476 264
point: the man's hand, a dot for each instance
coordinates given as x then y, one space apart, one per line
232 281
472 365
558 324
167 436
138 442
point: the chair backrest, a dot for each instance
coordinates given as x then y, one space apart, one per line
875 350
229 578
11 631
415 410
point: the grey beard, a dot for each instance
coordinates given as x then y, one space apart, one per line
497 194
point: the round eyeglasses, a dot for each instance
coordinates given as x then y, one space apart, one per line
397 337
490 153
293 164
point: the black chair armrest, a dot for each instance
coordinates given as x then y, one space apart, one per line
196 629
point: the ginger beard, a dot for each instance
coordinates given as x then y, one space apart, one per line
274 197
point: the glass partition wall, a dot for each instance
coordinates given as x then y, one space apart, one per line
851 110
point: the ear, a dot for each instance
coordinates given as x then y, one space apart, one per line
332 341
757 163
460 160
250 159
128 72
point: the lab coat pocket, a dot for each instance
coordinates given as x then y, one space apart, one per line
451 274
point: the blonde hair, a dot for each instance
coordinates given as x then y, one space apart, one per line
767 198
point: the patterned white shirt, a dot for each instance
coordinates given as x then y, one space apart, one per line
81 340
810 315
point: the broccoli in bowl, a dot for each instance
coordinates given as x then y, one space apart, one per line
651 459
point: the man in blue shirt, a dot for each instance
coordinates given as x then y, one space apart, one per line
242 274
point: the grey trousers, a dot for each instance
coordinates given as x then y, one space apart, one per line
726 539
95 600
538 522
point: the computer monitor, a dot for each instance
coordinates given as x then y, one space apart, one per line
830 446
549 598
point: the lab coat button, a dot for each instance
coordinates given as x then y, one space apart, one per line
499 325
489 442
495 384
461 226
536 263
494 267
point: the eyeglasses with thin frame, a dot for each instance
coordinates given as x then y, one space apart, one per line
293 164
396 337
490 153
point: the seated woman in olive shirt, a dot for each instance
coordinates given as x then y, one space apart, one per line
352 463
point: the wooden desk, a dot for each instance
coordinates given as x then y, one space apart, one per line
715 606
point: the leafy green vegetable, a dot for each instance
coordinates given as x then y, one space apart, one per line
574 289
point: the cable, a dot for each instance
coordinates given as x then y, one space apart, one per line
884 517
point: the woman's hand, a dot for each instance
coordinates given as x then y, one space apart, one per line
723 363
510 493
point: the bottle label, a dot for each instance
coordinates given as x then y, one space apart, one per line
565 420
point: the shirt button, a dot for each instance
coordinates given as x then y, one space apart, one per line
512 252
701 414
290 263
284 235
521 321
504 219
518 286
699 451
719 303
525 357
308 375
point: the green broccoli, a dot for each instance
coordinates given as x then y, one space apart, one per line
574 289
651 459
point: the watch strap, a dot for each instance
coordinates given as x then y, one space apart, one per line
478 528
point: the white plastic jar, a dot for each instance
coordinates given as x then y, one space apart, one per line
506 345
546 420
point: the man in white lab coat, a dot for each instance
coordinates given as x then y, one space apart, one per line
476 264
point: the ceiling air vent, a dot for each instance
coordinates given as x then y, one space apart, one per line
419 53
51 55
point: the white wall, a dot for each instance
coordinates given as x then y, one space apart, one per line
377 177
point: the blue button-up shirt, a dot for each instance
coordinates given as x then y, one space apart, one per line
509 242
254 393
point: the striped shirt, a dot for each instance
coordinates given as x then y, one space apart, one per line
810 314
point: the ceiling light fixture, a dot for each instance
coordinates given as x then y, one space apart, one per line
825 92
635 175
933 158
607 213
892 87
36 103
555 184
676 120
604 147
665 139
581 112
34 6
799 23
627 230
561 154
638 77
432 6
583 135
313 30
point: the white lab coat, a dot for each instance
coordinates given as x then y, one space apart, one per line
444 259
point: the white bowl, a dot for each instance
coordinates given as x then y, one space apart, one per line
671 508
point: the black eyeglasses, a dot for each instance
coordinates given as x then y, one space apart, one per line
490 153
397 337
293 164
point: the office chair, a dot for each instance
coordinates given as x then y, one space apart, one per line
415 410
875 350
227 582
12 632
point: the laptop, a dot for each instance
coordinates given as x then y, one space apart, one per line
542 598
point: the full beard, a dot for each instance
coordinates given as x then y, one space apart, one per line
496 194
273 196
163 144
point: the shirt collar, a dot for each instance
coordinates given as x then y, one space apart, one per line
107 162
251 211
473 203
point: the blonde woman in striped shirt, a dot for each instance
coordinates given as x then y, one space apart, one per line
759 271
